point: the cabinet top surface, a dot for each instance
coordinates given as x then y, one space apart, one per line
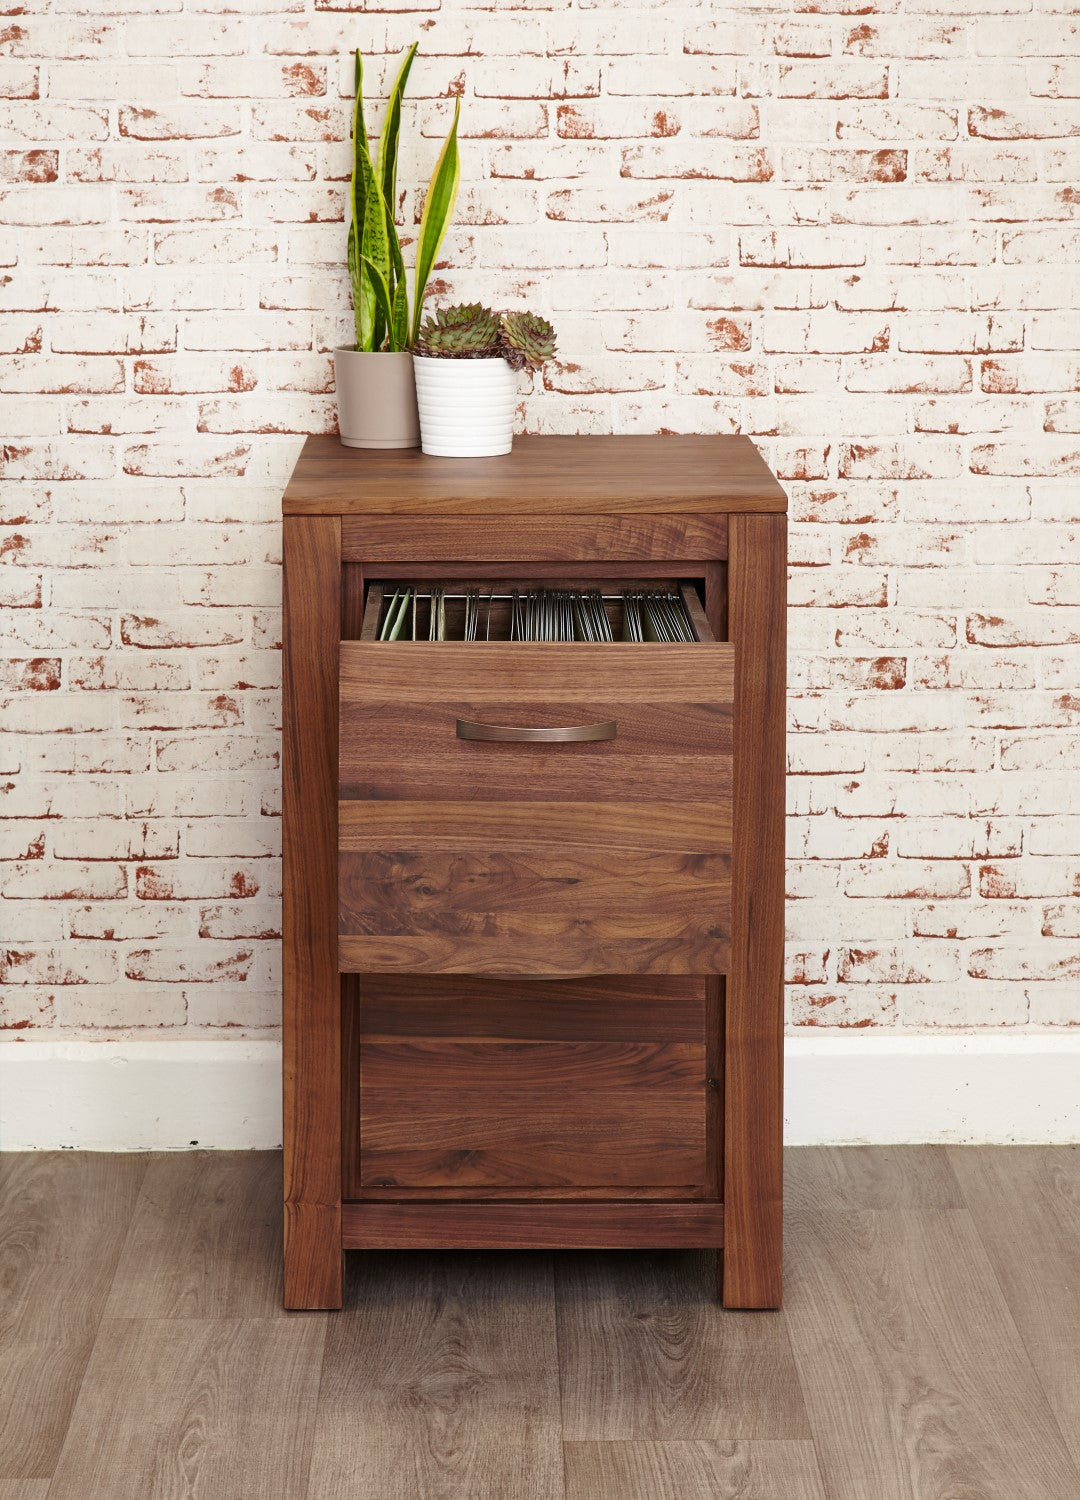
584 475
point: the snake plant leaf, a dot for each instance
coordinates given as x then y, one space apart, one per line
438 207
386 170
399 317
397 261
374 247
363 297
391 130
382 291
359 128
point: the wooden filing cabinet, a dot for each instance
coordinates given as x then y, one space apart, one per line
532 990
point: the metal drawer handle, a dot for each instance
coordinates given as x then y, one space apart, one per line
467 729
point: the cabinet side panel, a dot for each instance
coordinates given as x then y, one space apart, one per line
753 1146
311 1018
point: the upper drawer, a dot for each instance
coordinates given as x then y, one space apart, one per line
400 707
464 855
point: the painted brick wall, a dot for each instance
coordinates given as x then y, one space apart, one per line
843 227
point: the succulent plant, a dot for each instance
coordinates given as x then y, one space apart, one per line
472 331
468 331
528 341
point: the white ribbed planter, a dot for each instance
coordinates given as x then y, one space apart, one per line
466 406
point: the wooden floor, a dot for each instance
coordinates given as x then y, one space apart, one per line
929 1348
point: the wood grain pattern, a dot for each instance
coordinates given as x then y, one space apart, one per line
522 672
440 1379
645 1354
716 599
915 1379
495 773
23 1489
1026 1205
691 599
443 827
203 1240
63 1219
351 1023
536 1196
576 539
424 729
521 1226
369 624
492 885
533 887
311 1010
443 1113
202 1408
754 1006
692 1471
544 1148
714 1087
437 1065
444 1055
506 573
583 475
536 890
625 1009
352 600
528 954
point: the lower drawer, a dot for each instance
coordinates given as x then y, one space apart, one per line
488 1088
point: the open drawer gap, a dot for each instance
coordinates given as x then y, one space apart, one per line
656 611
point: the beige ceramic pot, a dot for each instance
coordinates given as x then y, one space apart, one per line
376 396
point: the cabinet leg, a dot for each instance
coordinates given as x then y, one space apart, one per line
314 1263
754 1012
751 1274
311 991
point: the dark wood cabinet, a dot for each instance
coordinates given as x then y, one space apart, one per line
533 906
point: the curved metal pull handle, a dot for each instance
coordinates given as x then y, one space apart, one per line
468 729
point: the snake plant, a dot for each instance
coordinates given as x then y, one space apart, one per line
384 320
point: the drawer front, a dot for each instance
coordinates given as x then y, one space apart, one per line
488 1087
475 856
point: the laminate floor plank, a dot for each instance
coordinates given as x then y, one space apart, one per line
221 1409
646 1352
932 1303
823 1180
440 1381
1026 1204
916 1382
692 1471
205 1239
63 1219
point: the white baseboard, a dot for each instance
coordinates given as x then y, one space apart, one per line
961 1090
140 1096
172 1096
